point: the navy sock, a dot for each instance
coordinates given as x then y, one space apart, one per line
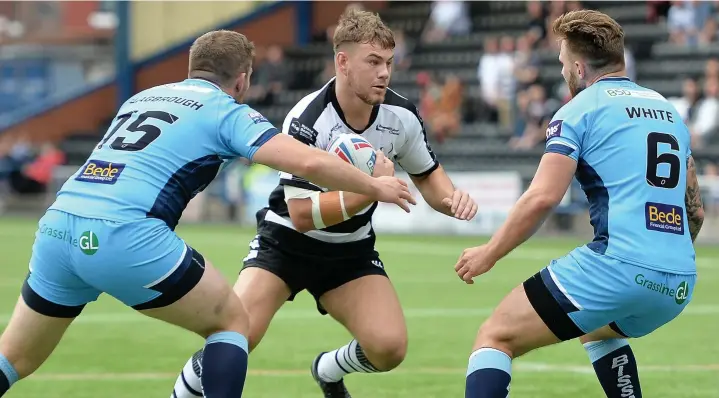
488 374
8 375
616 367
224 365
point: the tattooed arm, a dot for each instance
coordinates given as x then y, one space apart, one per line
693 200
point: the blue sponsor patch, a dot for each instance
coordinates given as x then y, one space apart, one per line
257 117
664 218
100 172
554 129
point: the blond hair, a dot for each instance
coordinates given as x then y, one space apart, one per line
362 27
594 36
222 53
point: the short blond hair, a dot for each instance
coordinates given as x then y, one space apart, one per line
223 53
594 36
362 27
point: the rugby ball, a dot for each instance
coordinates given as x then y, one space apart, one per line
355 150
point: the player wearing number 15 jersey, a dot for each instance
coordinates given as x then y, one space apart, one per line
629 149
111 228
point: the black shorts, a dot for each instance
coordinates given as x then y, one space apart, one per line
316 274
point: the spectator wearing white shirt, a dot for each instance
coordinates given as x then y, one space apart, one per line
691 23
686 104
706 120
448 18
496 77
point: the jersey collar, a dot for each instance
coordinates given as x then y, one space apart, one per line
341 114
614 79
204 81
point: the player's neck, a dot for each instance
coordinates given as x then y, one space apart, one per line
619 73
356 112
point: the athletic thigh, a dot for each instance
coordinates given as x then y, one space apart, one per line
30 337
209 307
262 293
268 254
337 274
370 309
514 326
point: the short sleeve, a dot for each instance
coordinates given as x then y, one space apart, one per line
416 156
297 129
566 131
243 130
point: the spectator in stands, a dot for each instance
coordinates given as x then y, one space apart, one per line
440 105
496 78
526 63
686 104
271 76
707 114
448 18
691 22
535 111
556 9
657 10
573 6
711 69
35 176
537 25
327 73
488 78
402 51
506 81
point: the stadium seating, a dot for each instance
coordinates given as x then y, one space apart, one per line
483 146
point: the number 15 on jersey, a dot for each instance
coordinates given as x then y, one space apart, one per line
150 130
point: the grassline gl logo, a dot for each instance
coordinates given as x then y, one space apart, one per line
89 243
680 294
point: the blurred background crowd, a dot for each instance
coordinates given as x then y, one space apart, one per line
484 76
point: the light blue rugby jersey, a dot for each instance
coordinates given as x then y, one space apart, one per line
631 146
166 145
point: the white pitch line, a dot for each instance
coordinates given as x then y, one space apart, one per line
529 367
411 313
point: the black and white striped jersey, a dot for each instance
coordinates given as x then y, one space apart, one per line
395 128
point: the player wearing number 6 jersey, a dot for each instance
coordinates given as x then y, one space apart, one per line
629 149
111 228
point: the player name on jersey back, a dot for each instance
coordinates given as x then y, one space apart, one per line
631 148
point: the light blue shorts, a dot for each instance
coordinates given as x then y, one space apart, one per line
142 263
584 291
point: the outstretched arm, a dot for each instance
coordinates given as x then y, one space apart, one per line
693 200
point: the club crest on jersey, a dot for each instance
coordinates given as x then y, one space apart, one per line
257 117
554 129
100 172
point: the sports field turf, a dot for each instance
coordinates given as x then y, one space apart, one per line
112 352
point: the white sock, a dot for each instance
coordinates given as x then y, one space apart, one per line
334 365
189 383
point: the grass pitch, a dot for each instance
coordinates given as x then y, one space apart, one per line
112 352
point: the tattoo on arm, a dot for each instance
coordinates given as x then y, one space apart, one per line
693 201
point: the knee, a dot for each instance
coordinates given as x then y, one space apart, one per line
233 316
492 334
386 352
24 365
